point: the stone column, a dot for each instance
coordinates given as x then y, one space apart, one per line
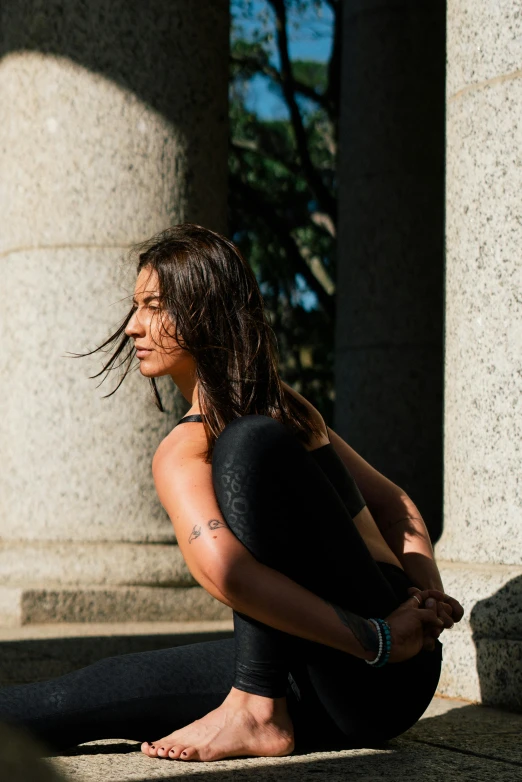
114 127
482 540
390 256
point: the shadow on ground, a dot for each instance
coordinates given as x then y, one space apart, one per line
452 741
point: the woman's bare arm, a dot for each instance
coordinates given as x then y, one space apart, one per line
227 570
408 537
396 515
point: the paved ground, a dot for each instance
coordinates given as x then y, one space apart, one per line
453 741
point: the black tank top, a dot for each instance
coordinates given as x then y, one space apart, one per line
331 464
195 417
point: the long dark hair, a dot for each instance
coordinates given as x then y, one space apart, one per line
210 293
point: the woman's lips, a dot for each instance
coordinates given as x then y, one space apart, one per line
141 352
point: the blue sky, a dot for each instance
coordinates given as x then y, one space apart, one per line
310 37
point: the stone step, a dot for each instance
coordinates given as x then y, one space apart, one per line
38 652
482 655
75 563
56 603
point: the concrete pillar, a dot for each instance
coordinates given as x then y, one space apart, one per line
482 540
115 128
390 247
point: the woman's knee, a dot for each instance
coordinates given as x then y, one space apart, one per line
246 468
254 422
249 431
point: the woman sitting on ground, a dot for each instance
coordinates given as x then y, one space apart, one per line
327 565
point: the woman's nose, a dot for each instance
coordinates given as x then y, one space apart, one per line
134 327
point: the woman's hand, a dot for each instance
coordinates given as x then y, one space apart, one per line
412 629
448 609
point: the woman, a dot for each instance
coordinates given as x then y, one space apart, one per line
327 565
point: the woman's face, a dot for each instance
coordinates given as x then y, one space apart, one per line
148 325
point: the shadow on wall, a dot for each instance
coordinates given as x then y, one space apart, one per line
146 48
496 624
137 45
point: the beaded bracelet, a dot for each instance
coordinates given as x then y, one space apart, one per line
387 635
384 635
380 637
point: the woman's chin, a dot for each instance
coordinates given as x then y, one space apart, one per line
147 371
151 371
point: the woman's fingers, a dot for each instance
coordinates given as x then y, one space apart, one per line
426 614
457 611
422 594
444 610
429 643
429 616
446 614
451 607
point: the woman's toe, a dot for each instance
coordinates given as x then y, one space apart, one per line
175 751
163 752
189 753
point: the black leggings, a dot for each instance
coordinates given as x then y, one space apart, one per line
285 509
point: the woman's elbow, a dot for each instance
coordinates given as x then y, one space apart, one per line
225 580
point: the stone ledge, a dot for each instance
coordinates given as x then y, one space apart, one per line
491 595
73 563
21 606
487 671
482 656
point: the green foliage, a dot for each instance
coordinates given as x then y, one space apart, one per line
282 192
313 74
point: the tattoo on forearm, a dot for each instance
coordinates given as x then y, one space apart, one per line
217 523
360 627
212 524
404 518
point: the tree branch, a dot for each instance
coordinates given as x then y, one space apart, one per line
333 90
273 74
279 227
317 186
242 145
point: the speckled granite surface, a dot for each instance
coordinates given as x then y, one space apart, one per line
454 740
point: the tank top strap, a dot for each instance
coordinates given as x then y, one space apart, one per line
193 417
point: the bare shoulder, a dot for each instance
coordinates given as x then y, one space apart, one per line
184 486
316 415
182 477
314 412
185 444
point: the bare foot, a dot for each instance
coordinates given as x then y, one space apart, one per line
244 724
